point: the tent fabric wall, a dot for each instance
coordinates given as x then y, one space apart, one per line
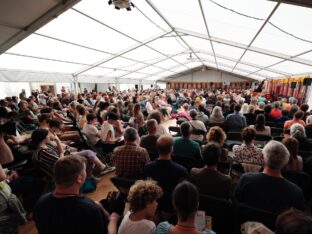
209 76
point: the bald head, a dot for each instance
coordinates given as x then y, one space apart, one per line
164 145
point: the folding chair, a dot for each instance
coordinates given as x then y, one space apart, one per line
122 184
245 213
221 210
186 162
233 138
174 131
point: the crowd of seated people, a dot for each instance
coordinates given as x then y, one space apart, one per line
129 128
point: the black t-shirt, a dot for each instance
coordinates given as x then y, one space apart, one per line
168 174
69 215
268 193
149 143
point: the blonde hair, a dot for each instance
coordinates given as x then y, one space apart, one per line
142 193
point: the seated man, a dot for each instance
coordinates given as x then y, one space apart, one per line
65 210
235 121
130 158
184 146
268 190
149 141
166 172
208 180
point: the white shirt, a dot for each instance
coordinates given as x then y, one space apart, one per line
105 129
149 107
128 226
197 124
162 130
91 131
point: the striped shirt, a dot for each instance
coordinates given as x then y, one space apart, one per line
46 157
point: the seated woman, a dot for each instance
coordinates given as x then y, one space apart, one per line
217 136
295 163
161 129
137 120
216 115
108 133
248 154
47 154
142 198
185 201
260 127
207 179
183 113
197 124
82 117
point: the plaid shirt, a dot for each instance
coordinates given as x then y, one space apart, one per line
129 161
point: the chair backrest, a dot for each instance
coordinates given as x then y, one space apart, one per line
198 132
271 124
278 138
174 131
302 180
186 162
265 138
122 184
276 131
221 125
221 210
181 120
246 213
234 136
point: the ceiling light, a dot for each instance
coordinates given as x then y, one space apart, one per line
121 4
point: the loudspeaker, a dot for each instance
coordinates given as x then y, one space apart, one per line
136 87
307 81
293 85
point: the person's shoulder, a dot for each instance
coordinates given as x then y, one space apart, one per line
177 140
163 228
194 143
46 198
118 148
142 150
195 171
251 176
208 232
177 167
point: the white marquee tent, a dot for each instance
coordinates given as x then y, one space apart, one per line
89 41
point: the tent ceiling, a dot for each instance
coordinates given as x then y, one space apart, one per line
18 19
158 38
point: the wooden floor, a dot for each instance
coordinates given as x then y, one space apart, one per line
103 187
